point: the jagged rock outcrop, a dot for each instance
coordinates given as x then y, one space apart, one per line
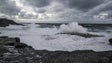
13 51
6 22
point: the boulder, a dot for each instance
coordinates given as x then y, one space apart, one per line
20 45
110 41
9 41
17 39
4 40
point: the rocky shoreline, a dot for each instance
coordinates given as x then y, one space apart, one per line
6 22
13 51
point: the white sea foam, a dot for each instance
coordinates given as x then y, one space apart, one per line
72 28
47 38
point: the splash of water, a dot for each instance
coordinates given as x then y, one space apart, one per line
72 28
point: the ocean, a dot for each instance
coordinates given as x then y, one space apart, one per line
62 37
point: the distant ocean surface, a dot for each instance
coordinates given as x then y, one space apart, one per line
86 25
44 36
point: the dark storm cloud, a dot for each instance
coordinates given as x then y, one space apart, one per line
8 8
110 14
107 6
59 8
83 5
38 3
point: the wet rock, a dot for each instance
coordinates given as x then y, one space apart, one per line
8 41
11 49
18 53
110 41
17 39
4 40
20 45
3 50
4 37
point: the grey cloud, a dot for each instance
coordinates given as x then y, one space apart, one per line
8 8
83 5
107 6
41 10
110 14
38 3
66 9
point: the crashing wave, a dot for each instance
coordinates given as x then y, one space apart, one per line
75 29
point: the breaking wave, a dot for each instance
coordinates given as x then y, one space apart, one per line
72 28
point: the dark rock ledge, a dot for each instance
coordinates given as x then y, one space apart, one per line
13 51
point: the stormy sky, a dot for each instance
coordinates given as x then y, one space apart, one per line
56 9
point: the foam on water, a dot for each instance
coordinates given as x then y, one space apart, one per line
47 38
72 28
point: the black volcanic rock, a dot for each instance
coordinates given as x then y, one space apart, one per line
110 41
6 22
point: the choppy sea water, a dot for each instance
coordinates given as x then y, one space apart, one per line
45 37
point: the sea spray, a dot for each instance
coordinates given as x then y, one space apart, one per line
72 28
75 29
47 39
